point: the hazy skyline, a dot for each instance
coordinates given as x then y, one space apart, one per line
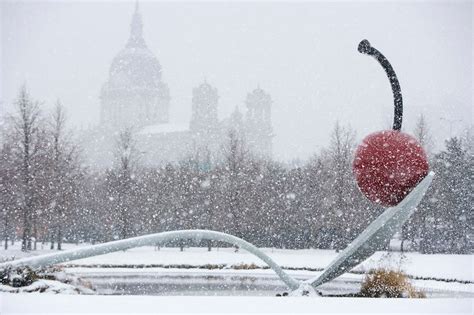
303 54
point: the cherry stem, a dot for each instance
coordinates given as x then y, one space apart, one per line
365 48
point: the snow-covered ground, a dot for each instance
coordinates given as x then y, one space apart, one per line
458 267
67 304
168 267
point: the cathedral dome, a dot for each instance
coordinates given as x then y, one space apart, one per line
134 94
135 65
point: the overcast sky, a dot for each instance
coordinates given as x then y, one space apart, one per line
304 54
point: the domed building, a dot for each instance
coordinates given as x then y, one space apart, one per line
135 95
135 98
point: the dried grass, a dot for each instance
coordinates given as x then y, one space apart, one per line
389 284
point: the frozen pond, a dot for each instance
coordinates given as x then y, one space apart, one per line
166 283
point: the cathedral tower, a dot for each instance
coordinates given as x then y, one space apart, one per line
259 131
204 116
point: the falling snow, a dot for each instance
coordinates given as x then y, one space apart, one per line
142 170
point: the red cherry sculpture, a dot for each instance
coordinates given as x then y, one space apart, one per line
388 165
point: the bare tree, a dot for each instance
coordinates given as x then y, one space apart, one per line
235 155
468 139
26 122
8 185
63 171
341 207
422 133
127 158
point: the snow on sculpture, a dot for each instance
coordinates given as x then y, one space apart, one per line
150 240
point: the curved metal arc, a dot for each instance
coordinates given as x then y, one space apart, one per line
366 48
152 239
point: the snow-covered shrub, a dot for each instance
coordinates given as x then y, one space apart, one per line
243 266
18 277
388 284
47 286
51 280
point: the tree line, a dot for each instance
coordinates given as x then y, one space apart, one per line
48 195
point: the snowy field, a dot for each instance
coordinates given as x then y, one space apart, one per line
177 278
61 304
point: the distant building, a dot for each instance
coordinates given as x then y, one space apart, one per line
136 97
